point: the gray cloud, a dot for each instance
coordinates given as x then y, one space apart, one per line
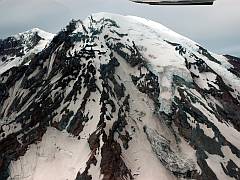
215 27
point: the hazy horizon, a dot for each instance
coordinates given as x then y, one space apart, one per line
214 27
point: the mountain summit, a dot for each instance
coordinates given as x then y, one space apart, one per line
117 97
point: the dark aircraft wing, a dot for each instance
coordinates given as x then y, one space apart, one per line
175 2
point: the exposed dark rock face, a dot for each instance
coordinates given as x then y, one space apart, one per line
112 165
125 109
235 61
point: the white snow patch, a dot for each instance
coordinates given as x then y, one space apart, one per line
57 156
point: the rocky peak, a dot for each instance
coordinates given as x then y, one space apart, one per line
20 48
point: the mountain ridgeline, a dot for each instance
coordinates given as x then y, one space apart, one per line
117 97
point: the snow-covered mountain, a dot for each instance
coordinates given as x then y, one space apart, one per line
117 97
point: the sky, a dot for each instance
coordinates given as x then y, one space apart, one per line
216 27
